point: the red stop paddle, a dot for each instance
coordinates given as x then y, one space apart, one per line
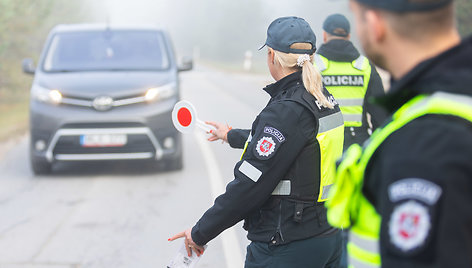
185 118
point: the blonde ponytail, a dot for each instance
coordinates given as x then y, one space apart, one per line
314 83
311 76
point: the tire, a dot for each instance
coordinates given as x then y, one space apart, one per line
175 164
40 167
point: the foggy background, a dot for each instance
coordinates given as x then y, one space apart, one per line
216 31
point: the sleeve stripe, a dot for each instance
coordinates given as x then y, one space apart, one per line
250 171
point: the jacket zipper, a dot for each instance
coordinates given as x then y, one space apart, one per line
279 227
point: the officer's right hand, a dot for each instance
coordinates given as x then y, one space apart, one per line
220 132
189 244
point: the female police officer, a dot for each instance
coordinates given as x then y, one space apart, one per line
287 166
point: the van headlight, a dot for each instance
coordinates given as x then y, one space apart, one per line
42 94
160 93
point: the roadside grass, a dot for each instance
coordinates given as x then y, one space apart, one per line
13 116
14 99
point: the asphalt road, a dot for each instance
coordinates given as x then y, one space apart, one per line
121 214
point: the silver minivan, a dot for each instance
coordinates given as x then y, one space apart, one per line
104 93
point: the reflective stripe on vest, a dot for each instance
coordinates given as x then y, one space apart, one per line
330 136
320 63
350 102
355 263
365 247
352 117
347 82
347 205
330 132
359 63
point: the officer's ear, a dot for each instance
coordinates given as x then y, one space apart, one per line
271 55
376 25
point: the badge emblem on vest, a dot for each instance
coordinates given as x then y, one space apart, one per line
265 146
409 226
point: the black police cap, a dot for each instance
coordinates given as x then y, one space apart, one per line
406 5
285 31
337 21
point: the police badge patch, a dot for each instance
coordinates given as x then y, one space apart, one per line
265 147
268 142
409 226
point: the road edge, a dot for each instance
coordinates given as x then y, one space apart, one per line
231 246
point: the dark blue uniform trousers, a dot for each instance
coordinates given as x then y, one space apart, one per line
309 253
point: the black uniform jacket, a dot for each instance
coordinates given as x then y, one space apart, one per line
279 134
420 178
344 51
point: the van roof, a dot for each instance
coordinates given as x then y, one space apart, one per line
102 27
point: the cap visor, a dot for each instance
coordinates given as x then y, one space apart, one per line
262 46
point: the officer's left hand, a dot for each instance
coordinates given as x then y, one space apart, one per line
220 132
189 244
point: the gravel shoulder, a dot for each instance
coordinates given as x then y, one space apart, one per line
8 144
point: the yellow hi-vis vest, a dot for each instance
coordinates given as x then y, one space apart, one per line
347 82
330 137
348 207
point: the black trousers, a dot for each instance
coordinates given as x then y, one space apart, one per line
315 252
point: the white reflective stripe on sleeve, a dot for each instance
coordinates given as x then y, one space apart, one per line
283 188
319 63
250 171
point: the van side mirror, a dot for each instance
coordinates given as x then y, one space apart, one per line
186 64
28 66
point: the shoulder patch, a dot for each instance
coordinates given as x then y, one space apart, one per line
265 146
267 143
414 188
274 132
409 226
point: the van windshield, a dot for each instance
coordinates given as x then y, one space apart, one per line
106 51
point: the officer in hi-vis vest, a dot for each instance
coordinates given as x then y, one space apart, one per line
407 193
351 79
288 163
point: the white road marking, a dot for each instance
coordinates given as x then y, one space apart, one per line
231 246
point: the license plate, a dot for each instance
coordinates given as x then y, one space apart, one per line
103 140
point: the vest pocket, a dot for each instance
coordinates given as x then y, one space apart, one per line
306 211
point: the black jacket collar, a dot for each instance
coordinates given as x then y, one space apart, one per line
450 71
283 84
339 50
